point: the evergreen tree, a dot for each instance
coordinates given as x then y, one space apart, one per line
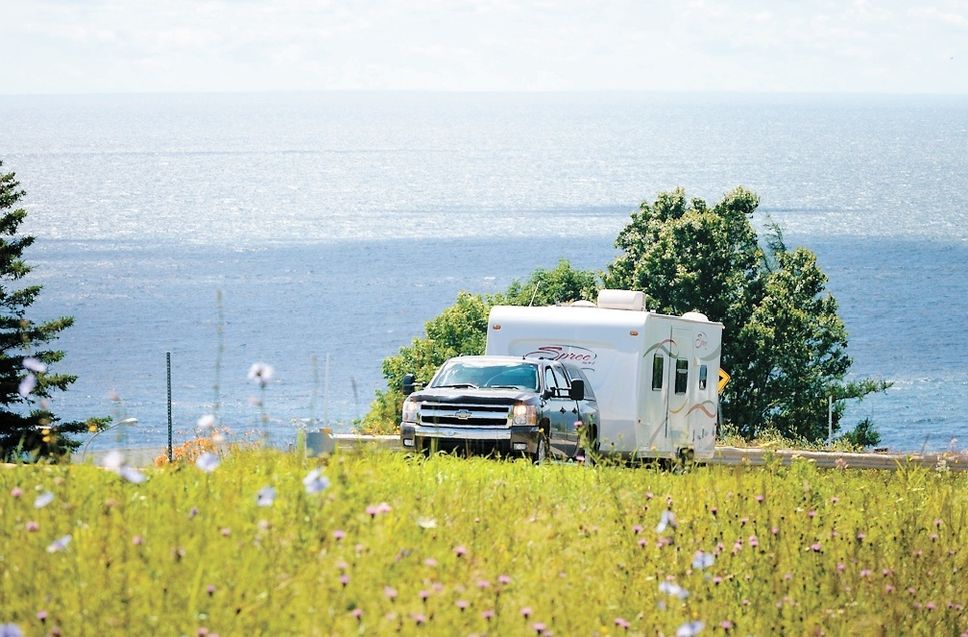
27 426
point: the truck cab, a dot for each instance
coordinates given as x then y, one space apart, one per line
500 405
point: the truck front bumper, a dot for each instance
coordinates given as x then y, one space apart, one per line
514 439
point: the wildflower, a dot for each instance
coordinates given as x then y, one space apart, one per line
622 623
315 482
390 592
42 616
538 627
10 630
35 365
339 534
31 526
930 606
210 589
357 613
865 572
526 612
59 544
207 462
713 510
649 495
16 492
938 522
834 500
431 562
774 531
43 500
483 584
487 614
226 531
419 619
132 475
667 520
113 461
27 385
265 497
192 512
840 567
760 498
815 547
702 560
261 373
726 624
344 580
461 604
137 540
503 580
460 551
427 523
717 580
673 589
689 629
206 422
888 589
637 528
860 536
423 595
753 541
811 514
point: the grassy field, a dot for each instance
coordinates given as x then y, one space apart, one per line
381 543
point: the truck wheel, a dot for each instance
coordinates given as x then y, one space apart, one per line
541 451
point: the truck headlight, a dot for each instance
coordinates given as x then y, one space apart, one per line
411 409
524 414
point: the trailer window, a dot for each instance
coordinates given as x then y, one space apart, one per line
682 375
702 376
658 365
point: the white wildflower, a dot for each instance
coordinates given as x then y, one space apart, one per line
315 482
43 500
265 497
207 462
59 544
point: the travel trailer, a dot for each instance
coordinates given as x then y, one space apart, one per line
655 376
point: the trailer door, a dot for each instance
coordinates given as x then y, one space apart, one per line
681 376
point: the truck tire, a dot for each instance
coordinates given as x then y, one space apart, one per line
541 450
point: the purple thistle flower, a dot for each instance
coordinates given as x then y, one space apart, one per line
622 623
815 547
16 492
526 612
460 551
137 540
431 562
637 528
210 589
503 580
726 624
390 592
423 594
357 613
42 615
419 619
344 580
538 627
461 604
760 498
483 584
339 535
32 526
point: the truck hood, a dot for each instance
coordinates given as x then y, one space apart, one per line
478 396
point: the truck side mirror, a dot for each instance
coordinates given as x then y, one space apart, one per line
577 391
407 385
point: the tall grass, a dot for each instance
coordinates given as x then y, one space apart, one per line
451 546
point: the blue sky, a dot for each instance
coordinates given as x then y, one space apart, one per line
93 46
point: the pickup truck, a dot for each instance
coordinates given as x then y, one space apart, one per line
500 405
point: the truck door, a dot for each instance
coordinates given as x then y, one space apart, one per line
560 411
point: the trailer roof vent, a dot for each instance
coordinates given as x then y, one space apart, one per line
583 304
621 300
695 316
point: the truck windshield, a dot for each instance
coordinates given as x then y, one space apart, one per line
522 376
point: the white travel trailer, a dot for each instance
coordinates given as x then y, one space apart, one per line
655 376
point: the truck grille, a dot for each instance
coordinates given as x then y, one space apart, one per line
451 415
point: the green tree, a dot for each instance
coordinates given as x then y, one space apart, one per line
784 342
462 329
27 426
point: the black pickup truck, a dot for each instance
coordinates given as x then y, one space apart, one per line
500 404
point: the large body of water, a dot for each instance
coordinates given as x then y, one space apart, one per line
334 225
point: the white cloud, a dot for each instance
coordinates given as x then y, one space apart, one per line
179 45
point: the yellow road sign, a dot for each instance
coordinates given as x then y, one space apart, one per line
723 379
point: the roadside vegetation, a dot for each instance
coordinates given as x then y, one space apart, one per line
784 343
268 543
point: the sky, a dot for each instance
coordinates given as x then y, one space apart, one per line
112 46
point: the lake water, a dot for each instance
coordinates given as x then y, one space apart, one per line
334 225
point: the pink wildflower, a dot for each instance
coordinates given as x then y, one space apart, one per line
339 535
460 551
461 604
526 612
503 580
390 592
